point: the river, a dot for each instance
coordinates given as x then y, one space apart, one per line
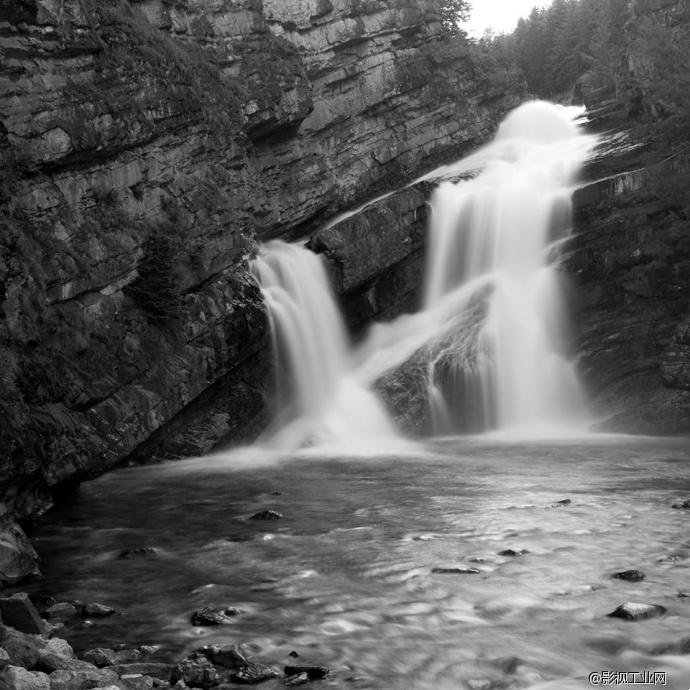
346 577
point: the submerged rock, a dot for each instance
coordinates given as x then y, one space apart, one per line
140 552
267 515
209 616
629 575
560 504
254 673
513 553
637 612
97 611
313 672
682 505
297 679
62 610
455 571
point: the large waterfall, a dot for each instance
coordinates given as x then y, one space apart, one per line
490 338
498 233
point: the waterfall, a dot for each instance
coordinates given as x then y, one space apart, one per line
318 400
491 337
498 230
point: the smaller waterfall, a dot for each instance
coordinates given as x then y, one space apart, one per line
318 399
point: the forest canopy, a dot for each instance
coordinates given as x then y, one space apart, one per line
635 51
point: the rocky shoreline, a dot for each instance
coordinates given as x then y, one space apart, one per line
34 657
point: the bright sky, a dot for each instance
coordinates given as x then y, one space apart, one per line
500 15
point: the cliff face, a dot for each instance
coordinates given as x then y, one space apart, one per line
146 145
629 258
628 264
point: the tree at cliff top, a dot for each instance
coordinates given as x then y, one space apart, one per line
453 12
557 45
638 52
660 58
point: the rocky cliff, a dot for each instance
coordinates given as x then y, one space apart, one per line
629 258
146 146
628 264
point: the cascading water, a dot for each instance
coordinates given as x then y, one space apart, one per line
318 399
490 340
495 231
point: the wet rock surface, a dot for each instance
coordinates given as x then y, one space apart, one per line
637 612
209 616
629 575
267 515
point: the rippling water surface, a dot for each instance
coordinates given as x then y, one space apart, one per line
345 578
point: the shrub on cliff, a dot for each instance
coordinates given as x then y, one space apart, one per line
158 287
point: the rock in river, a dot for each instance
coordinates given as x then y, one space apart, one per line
637 612
267 515
209 616
629 575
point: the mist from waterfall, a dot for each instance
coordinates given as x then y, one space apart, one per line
490 339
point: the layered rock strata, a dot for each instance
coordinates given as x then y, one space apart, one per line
146 145
628 264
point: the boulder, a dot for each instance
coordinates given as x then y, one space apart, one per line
19 612
100 657
198 673
18 559
18 678
24 649
59 656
